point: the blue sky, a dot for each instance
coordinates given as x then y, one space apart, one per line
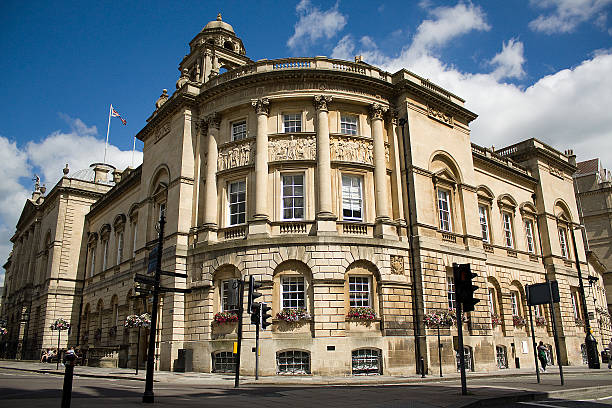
538 68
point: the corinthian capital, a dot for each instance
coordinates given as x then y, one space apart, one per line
213 120
377 111
321 102
261 106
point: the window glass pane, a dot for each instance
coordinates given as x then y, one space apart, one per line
293 362
293 292
484 222
450 292
348 124
237 202
351 197
293 196
292 122
444 210
239 130
366 362
224 362
529 234
359 291
509 241
563 242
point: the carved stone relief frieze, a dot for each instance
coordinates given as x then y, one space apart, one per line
351 149
397 264
162 131
236 155
440 116
292 147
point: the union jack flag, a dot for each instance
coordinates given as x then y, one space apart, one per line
116 114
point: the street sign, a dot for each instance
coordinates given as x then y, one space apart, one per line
143 290
147 280
175 274
163 289
539 294
152 260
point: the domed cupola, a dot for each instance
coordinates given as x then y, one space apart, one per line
214 49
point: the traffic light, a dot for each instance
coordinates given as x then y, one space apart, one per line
253 294
464 289
256 313
265 315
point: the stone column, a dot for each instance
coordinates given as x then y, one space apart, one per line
259 225
210 195
396 175
384 227
326 220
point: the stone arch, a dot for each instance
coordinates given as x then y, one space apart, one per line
292 268
133 211
485 193
119 221
361 253
160 180
499 304
562 210
442 163
366 265
104 230
505 200
284 254
360 269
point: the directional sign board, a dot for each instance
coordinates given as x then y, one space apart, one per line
539 294
152 260
147 280
175 274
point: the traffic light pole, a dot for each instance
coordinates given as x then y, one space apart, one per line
257 346
148 396
240 312
535 346
556 336
461 350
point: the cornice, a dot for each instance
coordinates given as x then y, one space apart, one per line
505 169
174 103
132 180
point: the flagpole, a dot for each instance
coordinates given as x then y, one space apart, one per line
133 148
110 109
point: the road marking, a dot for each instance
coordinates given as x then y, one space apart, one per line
538 404
596 399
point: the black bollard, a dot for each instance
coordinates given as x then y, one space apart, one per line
422 367
69 360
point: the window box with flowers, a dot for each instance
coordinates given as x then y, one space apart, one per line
439 318
453 315
518 321
361 313
495 320
225 317
293 315
540 321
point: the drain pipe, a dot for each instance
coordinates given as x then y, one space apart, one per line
403 122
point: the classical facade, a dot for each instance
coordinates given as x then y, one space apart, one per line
349 192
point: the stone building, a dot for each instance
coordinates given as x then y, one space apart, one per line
345 190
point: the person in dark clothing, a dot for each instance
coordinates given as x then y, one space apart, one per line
542 355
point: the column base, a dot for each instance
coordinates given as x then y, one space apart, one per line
259 227
208 233
385 228
326 223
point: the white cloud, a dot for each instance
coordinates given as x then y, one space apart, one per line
568 14
344 49
509 62
314 24
79 148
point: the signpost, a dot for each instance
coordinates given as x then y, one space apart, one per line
541 294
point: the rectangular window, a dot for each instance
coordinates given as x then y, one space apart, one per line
491 298
444 210
293 197
293 292
237 202
351 198
575 305
450 291
529 234
225 296
292 122
134 235
92 269
105 255
120 248
239 130
359 291
348 124
563 242
514 303
509 241
484 222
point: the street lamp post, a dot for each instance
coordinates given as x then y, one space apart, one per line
590 342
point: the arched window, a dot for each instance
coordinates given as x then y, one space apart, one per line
446 176
224 362
223 300
228 45
293 362
292 286
366 362
361 286
119 226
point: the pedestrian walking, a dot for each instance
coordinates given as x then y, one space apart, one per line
610 356
542 355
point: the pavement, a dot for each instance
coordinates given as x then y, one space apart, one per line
486 389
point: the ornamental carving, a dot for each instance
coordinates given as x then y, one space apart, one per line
377 111
555 171
292 148
261 106
439 116
213 120
321 102
397 264
351 149
162 131
236 155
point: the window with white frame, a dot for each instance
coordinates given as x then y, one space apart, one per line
105 254
225 296
293 292
293 362
359 291
348 124
450 292
508 238
574 296
529 235
239 130
119 247
491 299
563 242
484 223
237 202
444 209
292 122
352 201
293 196
514 303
